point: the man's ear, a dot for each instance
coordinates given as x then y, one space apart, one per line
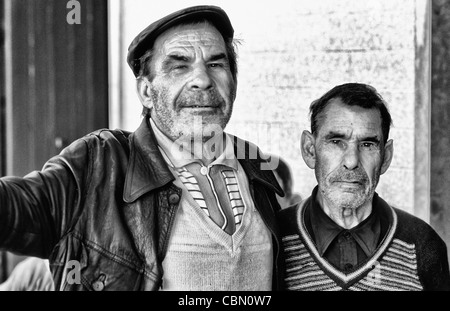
388 155
143 91
308 149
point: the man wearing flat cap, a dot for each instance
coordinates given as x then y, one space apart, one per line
176 205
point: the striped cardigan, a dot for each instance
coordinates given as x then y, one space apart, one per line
410 257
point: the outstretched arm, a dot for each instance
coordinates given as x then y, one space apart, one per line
36 210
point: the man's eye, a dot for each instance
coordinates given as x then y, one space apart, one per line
368 146
179 67
215 65
338 143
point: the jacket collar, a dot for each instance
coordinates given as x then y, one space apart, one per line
147 170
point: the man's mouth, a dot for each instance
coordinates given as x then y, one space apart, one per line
349 183
200 107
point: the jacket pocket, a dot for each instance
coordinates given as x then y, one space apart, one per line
96 269
106 271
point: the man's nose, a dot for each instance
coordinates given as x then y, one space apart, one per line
351 157
200 79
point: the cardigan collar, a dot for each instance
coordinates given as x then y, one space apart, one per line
388 215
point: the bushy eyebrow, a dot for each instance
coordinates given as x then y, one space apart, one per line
334 135
338 135
373 139
176 57
220 56
171 58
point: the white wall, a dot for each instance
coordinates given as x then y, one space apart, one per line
292 52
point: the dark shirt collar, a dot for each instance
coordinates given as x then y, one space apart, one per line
325 230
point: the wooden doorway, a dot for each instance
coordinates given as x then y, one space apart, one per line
54 80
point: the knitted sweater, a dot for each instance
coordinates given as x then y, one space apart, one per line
410 257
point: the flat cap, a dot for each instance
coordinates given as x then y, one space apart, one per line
145 39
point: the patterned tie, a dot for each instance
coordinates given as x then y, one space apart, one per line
224 205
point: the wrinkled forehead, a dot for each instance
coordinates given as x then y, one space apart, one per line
201 34
349 118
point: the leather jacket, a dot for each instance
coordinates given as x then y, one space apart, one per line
104 208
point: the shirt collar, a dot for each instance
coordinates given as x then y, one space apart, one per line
325 230
179 157
148 170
